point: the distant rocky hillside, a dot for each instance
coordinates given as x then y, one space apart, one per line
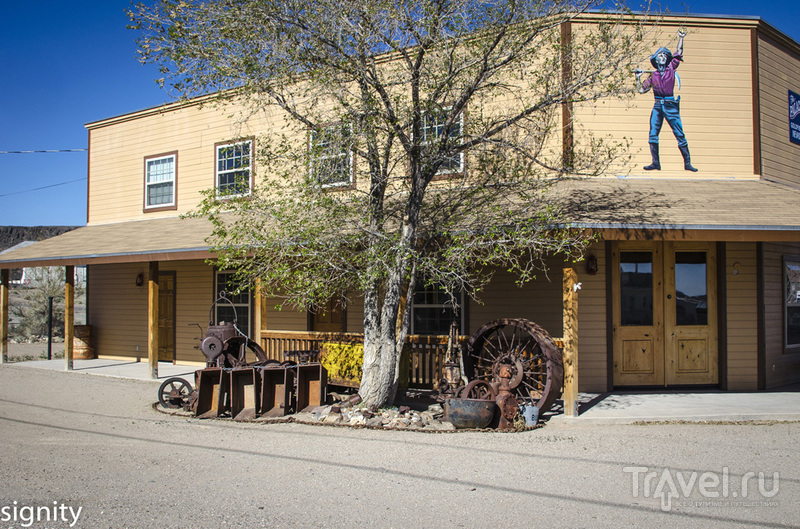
13 235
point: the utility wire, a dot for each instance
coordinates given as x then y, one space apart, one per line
43 187
48 151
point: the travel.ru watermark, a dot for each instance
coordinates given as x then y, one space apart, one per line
26 515
716 488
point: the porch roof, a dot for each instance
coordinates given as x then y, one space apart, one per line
633 207
755 210
165 239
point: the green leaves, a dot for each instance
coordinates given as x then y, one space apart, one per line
351 195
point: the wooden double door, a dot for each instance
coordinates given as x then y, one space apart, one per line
664 297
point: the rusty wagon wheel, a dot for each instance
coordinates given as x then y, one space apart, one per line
479 389
174 392
523 340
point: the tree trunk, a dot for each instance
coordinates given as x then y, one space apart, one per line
381 354
381 351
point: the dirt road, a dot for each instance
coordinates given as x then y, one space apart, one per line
94 445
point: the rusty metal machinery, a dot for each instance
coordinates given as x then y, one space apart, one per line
232 386
226 346
519 359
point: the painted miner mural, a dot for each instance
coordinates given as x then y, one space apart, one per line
667 105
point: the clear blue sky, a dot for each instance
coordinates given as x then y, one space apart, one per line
65 64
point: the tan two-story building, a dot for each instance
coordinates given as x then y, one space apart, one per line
694 279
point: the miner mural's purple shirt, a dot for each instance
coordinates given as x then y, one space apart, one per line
664 83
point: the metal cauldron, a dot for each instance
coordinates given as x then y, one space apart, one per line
469 413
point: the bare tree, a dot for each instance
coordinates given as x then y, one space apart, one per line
407 140
31 302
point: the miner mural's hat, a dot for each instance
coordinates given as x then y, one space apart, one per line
659 50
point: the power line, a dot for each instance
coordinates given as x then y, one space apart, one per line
43 187
46 151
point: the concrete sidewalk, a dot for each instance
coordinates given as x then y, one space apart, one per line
115 368
604 408
700 406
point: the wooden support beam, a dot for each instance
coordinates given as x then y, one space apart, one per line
69 315
152 320
258 301
4 315
570 394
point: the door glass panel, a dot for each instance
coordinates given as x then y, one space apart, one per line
636 281
691 290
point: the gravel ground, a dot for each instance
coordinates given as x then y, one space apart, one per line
95 443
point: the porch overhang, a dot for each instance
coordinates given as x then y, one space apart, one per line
645 208
165 239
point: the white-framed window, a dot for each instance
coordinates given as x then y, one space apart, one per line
159 181
791 312
224 281
234 168
433 310
433 128
331 156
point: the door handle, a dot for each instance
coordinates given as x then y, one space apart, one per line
669 296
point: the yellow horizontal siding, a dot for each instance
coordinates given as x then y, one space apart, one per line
193 297
742 325
778 73
592 327
117 152
707 107
117 309
355 314
539 301
286 319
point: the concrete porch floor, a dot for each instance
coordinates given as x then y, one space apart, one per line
115 368
782 404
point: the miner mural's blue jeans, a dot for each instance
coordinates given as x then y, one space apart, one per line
669 109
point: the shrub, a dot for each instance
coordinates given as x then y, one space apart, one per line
343 360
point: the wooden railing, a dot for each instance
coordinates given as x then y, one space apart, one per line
276 343
422 363
424 360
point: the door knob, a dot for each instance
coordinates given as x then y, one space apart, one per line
669 296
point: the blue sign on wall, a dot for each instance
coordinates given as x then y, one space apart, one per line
794 117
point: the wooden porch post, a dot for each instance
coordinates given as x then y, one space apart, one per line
4 315
69 314
570 395
257 311
152 320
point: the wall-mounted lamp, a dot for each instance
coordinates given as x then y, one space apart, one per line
591 265
139 279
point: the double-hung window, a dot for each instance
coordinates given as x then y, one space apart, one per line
791 278
434 131
224 312
234 169
433 310
331 156
160 182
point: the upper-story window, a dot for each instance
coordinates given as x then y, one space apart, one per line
433 128
160 181
234 168
331 156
